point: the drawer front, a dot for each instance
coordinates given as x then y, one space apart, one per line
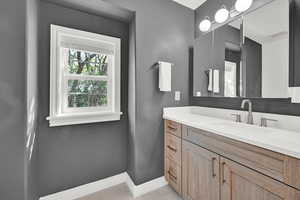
264 161
173 175
173 148
173 128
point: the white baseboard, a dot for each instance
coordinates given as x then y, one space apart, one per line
90 188
139 190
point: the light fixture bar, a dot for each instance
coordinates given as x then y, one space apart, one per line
223 14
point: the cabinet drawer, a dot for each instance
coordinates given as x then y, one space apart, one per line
173 175
262 160
173 148
172 127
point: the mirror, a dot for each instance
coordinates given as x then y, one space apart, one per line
203 52
267 30
247 57
227 57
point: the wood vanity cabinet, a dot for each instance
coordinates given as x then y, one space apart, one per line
204 166
200 173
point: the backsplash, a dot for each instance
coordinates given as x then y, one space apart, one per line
276 106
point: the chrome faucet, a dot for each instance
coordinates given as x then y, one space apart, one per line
250 115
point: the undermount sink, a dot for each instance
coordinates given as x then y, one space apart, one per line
235 127
223 117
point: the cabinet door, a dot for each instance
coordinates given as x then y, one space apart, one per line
241 183
200 173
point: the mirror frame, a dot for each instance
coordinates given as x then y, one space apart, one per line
292 47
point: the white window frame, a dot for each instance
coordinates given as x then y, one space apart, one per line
60 114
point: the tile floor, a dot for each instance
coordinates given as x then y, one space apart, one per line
121 192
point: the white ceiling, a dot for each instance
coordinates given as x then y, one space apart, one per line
192 4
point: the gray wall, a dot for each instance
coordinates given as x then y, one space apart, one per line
164 31
166 38
131 99
12 99
253 65
31 163
74 155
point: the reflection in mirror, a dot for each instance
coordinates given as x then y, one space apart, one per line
232 63
217 62
203 65
268 29
227 59
248 57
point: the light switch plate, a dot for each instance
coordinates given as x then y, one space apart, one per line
177 95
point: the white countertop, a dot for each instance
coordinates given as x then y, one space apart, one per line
277 140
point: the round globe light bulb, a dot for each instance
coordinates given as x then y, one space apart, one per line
221 15
205 25
243 5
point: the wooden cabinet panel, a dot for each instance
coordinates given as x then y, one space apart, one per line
173 128
173 148
292 172
200 173
241 183
173 174
262 160
203 165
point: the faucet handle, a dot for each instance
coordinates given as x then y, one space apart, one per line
264 121
238 117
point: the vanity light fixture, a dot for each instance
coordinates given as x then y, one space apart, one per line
234 13
222 14
205 25
243 5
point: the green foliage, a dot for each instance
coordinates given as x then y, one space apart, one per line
87 93
87 63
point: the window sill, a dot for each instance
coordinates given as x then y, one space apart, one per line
66 119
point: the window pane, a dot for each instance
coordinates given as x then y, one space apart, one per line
85 63
87 93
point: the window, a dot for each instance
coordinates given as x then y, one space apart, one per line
84 77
